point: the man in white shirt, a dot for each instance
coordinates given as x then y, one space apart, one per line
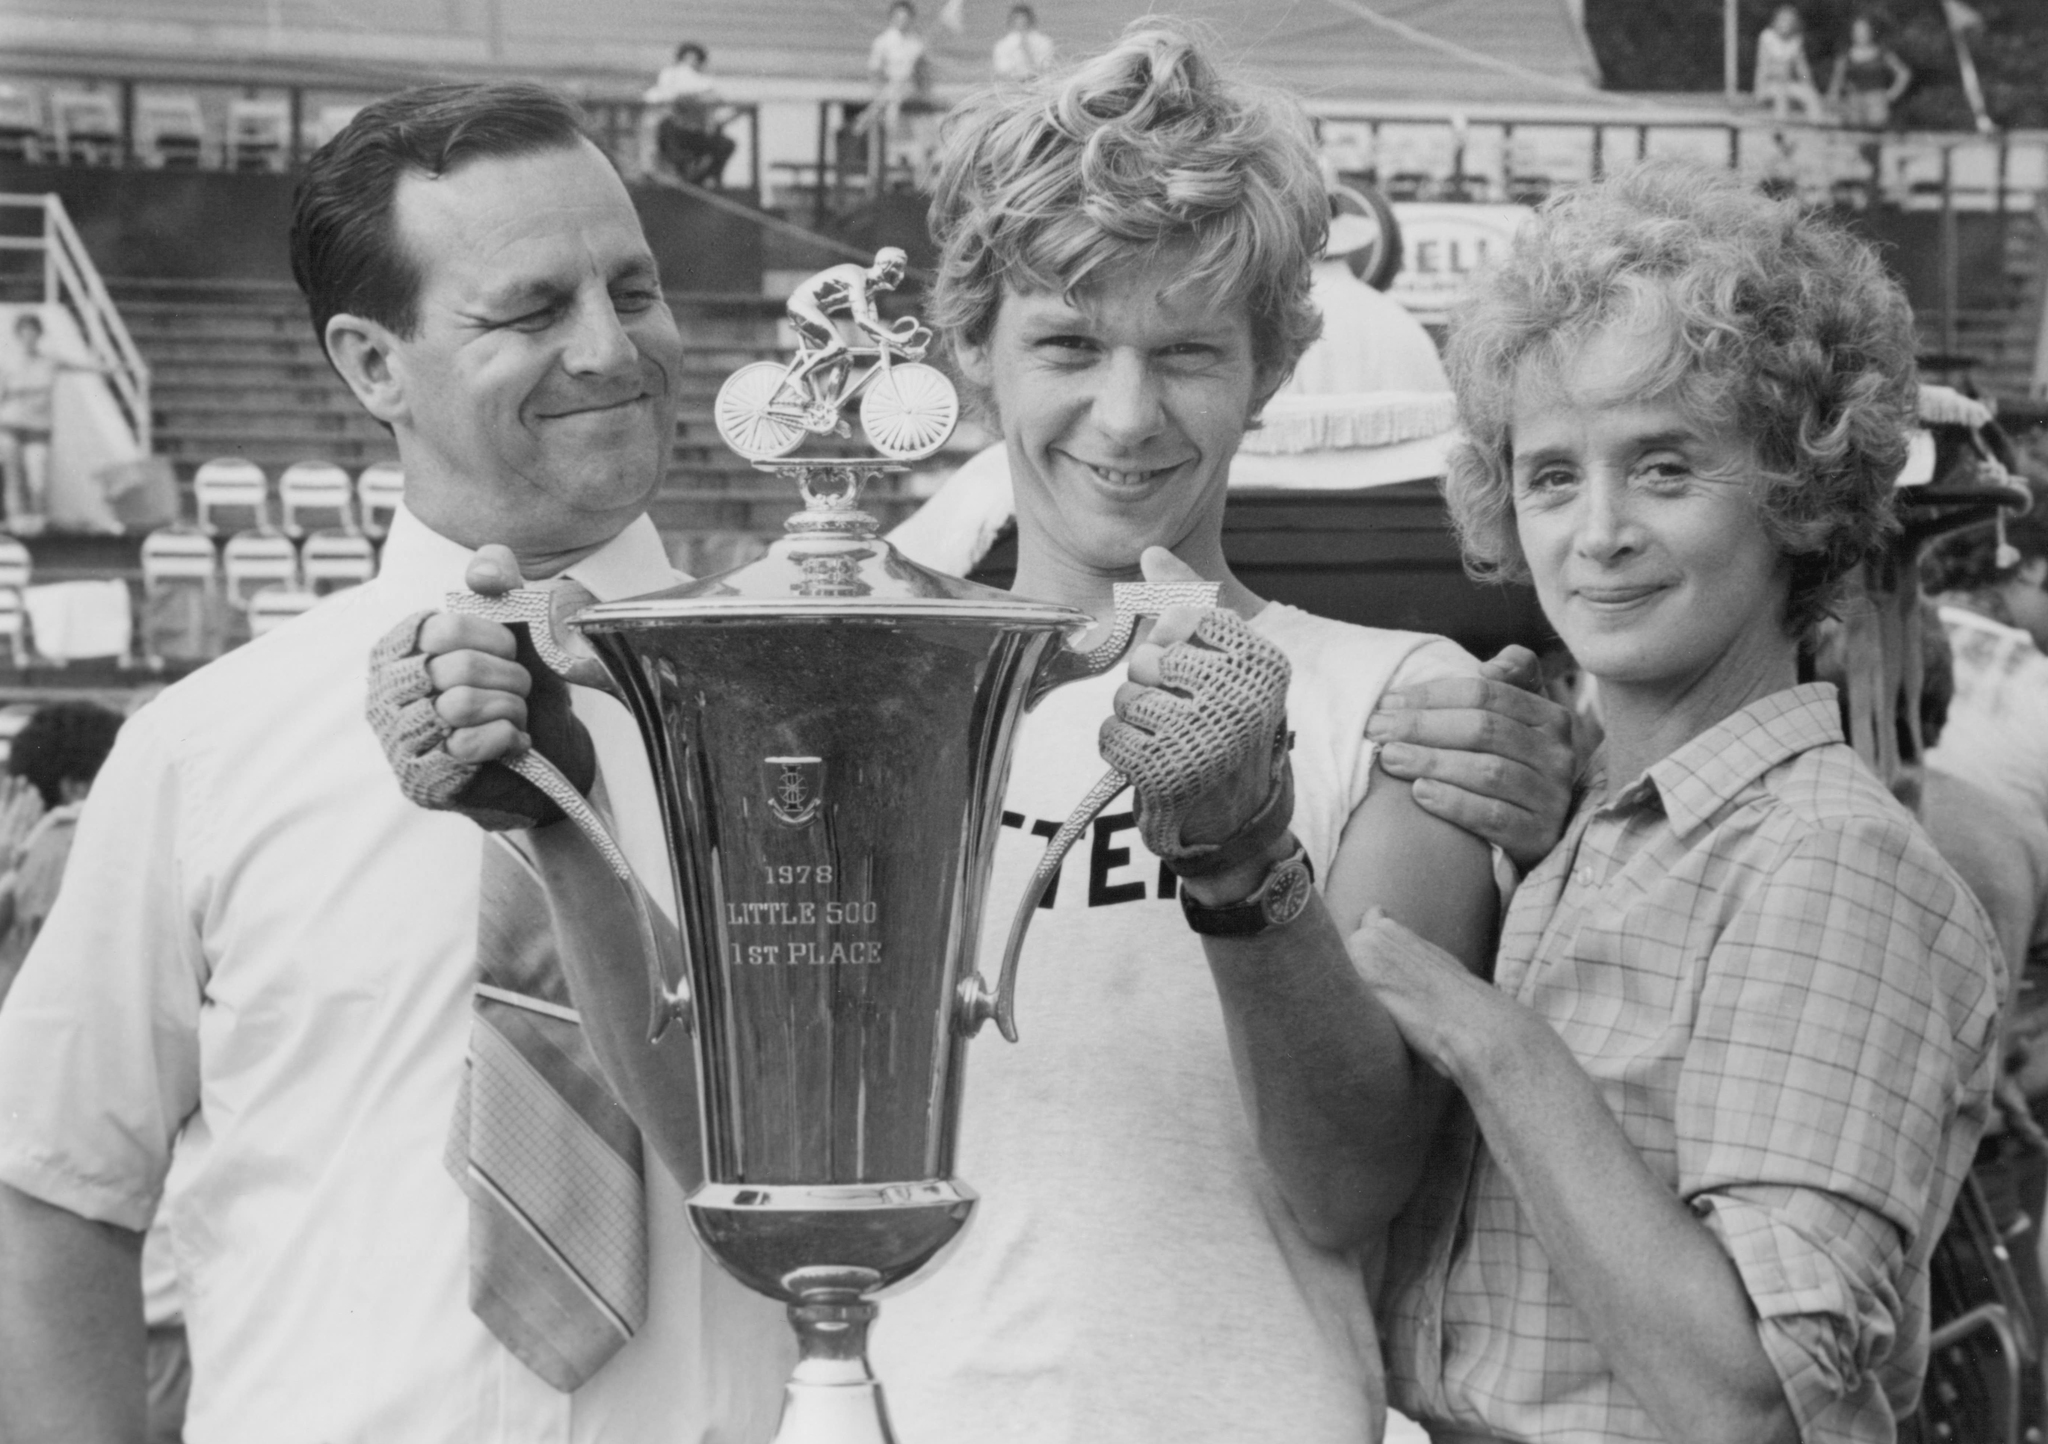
261 943
1024 50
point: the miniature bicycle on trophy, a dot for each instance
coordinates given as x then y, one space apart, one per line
907 408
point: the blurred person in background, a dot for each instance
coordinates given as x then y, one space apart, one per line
50 767
1024 50
1783 77
1868 80
1991 585
689 118
28 388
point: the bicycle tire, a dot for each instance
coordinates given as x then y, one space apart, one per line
744 418
909 411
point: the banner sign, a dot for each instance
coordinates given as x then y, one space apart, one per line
1442 244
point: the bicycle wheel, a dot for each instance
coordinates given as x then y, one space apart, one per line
909 410
748 418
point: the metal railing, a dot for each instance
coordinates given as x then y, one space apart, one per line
72 281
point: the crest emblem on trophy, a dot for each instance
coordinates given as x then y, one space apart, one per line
795 785
823 958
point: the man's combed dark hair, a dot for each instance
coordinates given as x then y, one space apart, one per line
346 254
64 740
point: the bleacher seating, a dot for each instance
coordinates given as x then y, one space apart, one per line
259 134
379 490
331 560
315 496
16 567
86 127
21 123
252 560
272 607
181 602
83 620
170 131
233 486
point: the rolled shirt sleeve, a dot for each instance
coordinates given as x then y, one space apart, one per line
1835 1087
99 1053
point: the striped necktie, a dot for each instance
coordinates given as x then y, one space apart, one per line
548 1157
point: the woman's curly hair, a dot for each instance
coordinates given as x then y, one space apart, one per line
1057 183
1775 325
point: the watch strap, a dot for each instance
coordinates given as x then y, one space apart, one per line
1278 900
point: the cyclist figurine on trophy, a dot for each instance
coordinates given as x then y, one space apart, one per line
907 409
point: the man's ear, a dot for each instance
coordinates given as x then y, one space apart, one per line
361 351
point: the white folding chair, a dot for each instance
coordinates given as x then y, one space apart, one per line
379 490
271 607
258 132
233 485
252 560
86 127
315 496
179 566
14 626
21 123
331 560
170 131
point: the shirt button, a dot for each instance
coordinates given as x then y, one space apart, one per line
1585 877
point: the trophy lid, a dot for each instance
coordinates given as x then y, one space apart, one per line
834 562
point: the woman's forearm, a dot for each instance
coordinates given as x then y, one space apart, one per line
1661 1298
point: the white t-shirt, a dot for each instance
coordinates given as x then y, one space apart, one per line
259 933
893 59
1021 54
1131 1273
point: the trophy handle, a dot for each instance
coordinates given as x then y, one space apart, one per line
1134 600
541 612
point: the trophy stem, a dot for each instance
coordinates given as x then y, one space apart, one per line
833 1397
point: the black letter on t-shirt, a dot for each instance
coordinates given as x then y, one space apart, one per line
1042 828
1104 857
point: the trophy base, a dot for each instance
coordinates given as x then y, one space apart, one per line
777 1239
833 1397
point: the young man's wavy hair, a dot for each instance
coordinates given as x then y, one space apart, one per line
1760 319
1057 184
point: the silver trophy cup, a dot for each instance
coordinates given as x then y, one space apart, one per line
830 730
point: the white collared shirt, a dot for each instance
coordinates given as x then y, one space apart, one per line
259 934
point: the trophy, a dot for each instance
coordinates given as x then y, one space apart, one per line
830 730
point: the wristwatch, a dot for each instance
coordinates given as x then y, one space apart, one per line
1277 901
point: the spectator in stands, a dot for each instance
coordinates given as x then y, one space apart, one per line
1024 50
900 67
1783 77
28 387
689 133
263 944
58 753
1869 78
1738 1043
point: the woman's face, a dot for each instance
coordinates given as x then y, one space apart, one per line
1121 410
1641 534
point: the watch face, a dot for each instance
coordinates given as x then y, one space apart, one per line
1287 893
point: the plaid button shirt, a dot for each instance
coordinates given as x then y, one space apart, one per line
1789 1002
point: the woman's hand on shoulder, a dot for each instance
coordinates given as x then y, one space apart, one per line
1488 753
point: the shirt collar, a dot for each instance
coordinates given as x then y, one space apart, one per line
1709 772
423 566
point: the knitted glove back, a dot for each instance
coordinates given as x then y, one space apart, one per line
401 712
1221 705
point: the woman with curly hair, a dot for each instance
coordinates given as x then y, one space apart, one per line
1737 1048
1209 1122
